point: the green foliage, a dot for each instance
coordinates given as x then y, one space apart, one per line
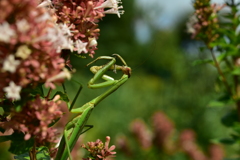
230 118
42 154
19 145
222 101
63 96
204 61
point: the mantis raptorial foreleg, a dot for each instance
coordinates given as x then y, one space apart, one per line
74 128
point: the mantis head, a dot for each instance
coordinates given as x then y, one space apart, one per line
127 70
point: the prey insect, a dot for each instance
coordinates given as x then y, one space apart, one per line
74 128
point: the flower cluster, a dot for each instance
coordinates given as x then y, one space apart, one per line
80 18
187 142
34 120
204 23
189 146
29 47
123 145
163 130
98 150
143 135
164 137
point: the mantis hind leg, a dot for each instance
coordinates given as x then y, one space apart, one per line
66 139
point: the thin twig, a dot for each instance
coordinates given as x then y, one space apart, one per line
49 92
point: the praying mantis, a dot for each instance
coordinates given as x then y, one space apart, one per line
74 128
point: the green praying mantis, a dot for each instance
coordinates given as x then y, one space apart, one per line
75 127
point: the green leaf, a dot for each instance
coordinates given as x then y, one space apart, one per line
227 141
216 104
198 62
1 111
38 90
222 101
42 154
221 57
236 128
63 96
5 138
202 49
19 145
230 119
24 156
18 108
236 71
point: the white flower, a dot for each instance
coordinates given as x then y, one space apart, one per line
109 4
53 34
23 25
113 4
65 29
6 32
115 11
66 44
43 17
58 37
10 64
190 24
45 3
80 46
92 42
23 52
13 91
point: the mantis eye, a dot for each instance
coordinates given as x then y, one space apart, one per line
127 70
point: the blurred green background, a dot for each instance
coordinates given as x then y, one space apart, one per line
163 79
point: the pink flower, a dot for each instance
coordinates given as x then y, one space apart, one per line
163 130
98 150
29 53
34 120
81 17
204 23
142 133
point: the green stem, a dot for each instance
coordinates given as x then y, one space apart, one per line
220 72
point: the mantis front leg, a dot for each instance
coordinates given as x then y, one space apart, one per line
74 128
